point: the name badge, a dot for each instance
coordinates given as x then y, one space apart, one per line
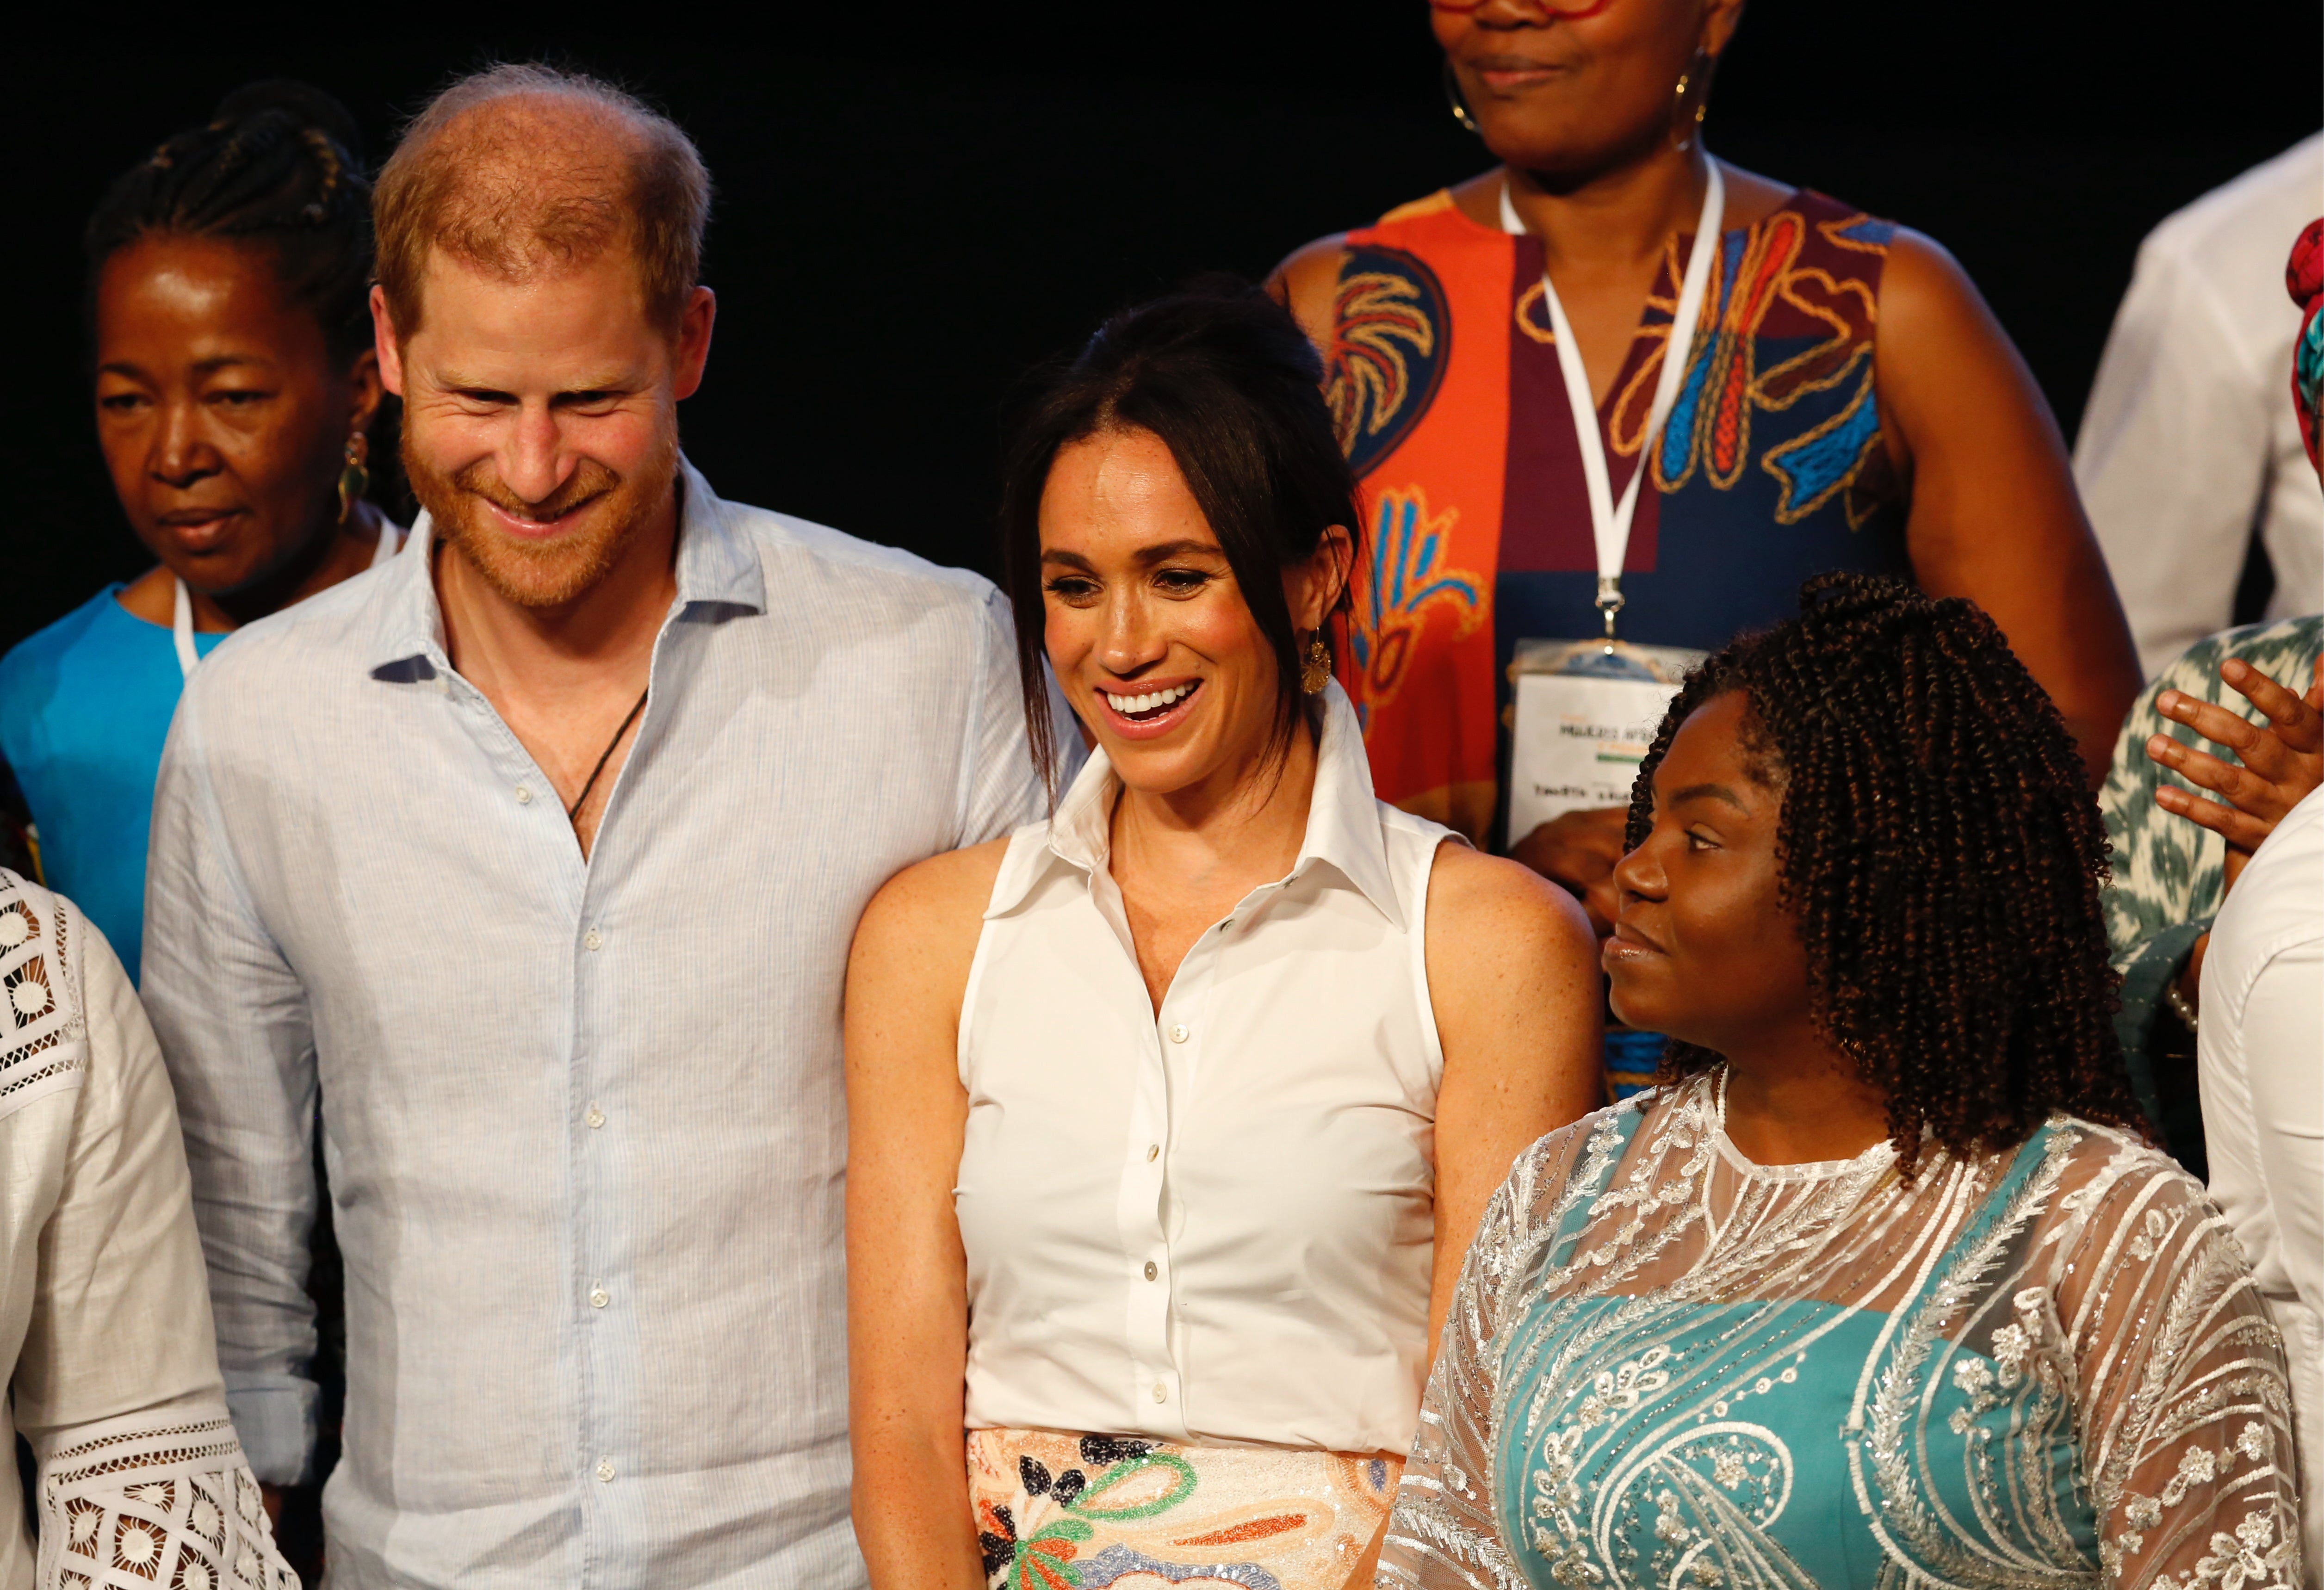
1586 713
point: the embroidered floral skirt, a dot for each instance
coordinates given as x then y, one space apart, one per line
1086 1513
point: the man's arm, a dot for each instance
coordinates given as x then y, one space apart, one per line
999 787
233 1027
2172 457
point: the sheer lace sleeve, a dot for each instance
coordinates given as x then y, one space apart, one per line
155 1500
1442 1535
2184 1402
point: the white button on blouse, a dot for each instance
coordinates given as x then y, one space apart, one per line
1296 1095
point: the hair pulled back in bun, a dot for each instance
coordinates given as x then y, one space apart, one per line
278 167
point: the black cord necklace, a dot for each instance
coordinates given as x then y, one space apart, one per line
573 812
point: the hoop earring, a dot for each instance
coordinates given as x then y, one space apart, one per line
1317 673
1461 112
1699 68
355 477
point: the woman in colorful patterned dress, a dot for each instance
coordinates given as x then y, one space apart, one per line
1879 1289
1848 403
1170 1117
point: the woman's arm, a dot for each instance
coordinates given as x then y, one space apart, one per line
1307 283
906 1276
117 1385
1994 515
1513 974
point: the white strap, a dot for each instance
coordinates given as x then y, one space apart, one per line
181 615
1609 521
181 631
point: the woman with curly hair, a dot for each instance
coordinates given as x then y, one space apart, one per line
1877 1286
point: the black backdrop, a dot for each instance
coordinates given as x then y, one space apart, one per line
916 203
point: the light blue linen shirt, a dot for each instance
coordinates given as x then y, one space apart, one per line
582 1122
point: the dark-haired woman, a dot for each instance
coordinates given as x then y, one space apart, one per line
1879 1288
1847 402
1169 1117
235 390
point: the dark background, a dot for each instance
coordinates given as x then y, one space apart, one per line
918 202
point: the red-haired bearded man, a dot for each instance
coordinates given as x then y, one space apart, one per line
535 857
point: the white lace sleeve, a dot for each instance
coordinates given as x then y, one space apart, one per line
2185 1403
1442 1534
155 1500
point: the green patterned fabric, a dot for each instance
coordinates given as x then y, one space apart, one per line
2168 872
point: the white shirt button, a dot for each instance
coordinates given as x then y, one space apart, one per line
595 1117
592 940
1153 1151
606 1469
599 1297
524 796
1178 1033
1161 1392
1151 1271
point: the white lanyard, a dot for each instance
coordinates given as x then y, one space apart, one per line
181 615
1609 521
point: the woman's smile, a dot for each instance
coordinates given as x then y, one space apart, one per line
1151 710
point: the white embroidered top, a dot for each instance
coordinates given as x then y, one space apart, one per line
1213 1224
1667 1365
105 1308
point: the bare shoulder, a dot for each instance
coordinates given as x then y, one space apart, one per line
1307 281
926 918
1923 285
1486 910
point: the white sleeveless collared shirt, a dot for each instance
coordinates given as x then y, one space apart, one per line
1214 1225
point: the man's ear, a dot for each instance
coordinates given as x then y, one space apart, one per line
383 338
693 351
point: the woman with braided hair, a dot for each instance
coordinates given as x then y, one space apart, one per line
235 385
1877 1286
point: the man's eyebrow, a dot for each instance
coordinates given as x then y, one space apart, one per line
1711 792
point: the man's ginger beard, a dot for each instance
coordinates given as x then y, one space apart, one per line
553 572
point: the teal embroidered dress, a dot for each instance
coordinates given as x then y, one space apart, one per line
1668 1367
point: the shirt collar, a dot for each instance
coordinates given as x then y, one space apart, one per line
1343 823
718 567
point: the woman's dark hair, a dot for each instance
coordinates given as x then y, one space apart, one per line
1223 375
279 167
1941 853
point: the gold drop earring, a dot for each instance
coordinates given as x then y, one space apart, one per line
1700 67
1317 673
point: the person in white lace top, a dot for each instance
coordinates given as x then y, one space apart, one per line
104 1314
1877 1288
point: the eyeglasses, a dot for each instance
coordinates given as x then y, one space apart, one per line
1545 10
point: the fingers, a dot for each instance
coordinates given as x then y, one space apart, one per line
1603 902
2246 787
2296 721
2238 733
2239 829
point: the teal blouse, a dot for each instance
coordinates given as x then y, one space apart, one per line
1668 1367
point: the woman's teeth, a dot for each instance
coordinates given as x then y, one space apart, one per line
1155 700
